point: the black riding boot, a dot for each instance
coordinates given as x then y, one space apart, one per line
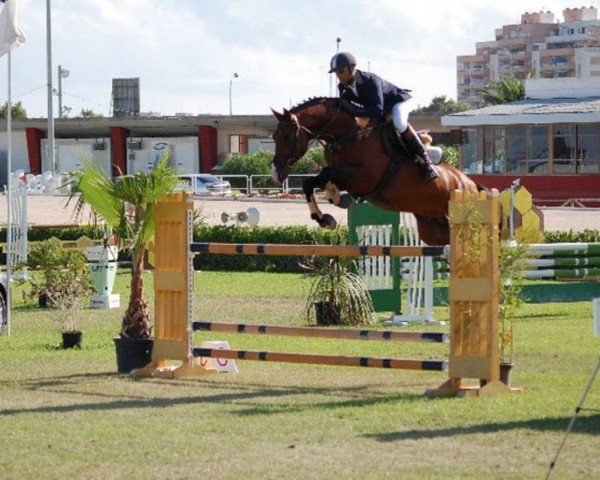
415 147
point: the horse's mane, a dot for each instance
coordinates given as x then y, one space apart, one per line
310 102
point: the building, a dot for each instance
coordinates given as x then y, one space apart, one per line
538 47
129 144
550 141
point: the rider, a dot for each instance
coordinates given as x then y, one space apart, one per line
368 95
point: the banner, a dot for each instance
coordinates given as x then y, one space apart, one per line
11 35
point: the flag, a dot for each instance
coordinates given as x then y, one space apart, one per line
11 35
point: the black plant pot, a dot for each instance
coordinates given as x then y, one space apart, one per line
133 353
505 371
44 300
72 339
326 313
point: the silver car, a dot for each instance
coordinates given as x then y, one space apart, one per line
204 184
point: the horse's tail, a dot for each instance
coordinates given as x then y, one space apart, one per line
482 188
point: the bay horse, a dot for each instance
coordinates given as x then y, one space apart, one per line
360 161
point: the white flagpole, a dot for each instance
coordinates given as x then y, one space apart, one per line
8 196
51 153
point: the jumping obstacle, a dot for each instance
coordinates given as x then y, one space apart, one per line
382 276
474 352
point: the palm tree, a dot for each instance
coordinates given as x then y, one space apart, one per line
128 207
509 89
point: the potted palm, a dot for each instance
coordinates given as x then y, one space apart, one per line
337 295
127 206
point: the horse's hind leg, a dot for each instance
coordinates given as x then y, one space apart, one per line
308 186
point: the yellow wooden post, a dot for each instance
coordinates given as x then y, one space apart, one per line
474 295
173 283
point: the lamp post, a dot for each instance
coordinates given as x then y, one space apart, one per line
235 75
51 154
62 73
338 40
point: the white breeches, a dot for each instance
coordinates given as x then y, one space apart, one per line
400 116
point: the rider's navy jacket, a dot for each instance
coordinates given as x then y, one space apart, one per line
375 96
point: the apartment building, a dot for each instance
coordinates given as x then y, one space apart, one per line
538 47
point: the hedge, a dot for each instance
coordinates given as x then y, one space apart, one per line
302 235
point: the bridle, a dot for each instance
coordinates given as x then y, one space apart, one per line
327 140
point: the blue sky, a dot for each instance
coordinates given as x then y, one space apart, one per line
186 51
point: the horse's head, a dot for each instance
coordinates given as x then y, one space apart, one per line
291 142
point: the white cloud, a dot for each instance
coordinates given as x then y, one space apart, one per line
185 52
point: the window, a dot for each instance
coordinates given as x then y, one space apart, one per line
538 151
494 154
470 163
588 149
563 142
238 144
516 150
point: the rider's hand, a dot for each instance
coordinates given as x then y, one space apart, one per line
346 105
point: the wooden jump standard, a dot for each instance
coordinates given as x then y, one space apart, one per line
473 292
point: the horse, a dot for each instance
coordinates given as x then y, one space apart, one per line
360 161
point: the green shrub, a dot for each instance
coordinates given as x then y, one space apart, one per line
232 234
586 236
450 155
311 163
62 280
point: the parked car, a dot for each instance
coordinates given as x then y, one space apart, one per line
204 184
3 304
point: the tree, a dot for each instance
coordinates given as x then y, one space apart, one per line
136 195
17 111
89 113
442 105
509 89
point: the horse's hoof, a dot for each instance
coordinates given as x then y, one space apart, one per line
327 221
346 201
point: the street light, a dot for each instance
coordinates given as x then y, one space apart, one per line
338 40
62 73
235 75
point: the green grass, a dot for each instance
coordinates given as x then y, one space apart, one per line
67 414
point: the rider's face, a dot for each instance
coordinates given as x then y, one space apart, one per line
345 76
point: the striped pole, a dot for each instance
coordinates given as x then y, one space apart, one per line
318 359
562 262
562 249
564 273
434 337
320 250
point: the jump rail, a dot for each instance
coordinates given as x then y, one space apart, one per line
315 332
319 250
320 359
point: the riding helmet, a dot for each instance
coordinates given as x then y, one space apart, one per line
340 61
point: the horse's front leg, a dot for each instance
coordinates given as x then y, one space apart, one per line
309 185
342 200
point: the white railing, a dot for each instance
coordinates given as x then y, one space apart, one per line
252 183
